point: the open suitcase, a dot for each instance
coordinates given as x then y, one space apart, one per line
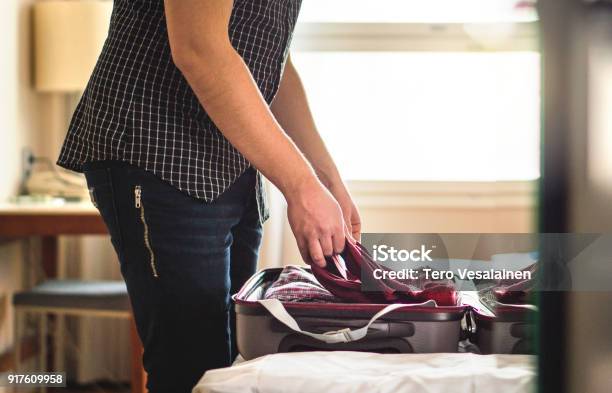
295 326
499 328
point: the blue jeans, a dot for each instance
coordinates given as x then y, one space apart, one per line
181 259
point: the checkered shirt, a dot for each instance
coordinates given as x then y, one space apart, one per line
138 107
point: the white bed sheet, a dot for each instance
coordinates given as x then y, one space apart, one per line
357 372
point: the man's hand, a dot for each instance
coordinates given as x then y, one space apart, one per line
316 221
350 213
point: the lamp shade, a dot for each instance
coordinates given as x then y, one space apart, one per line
68 38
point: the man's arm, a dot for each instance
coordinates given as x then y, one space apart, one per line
201 49
290 107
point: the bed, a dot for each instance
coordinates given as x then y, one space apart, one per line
360 372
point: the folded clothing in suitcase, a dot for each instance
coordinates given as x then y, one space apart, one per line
357 264
298 284
266 326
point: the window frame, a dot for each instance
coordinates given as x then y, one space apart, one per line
411 37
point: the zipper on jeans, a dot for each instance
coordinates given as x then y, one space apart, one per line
147 241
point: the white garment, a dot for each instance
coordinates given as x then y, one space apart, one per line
357 372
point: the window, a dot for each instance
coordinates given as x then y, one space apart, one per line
427 90
422 11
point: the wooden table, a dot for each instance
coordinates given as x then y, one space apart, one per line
49 221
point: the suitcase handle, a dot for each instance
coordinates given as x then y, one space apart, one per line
278 311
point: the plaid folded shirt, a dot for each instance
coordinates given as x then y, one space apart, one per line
296 284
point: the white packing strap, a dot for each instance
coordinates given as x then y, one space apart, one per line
276 308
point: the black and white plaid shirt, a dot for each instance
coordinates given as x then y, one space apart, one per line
138 108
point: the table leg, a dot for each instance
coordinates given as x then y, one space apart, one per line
49 253
43 347
49 249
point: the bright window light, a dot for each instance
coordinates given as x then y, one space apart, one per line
427 116
417 11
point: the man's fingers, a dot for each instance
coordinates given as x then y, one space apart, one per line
316 253
327 245
348 234
339 240
347 219
303 247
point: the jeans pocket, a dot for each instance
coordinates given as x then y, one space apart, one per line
103 196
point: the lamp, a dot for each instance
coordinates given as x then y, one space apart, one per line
68 38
